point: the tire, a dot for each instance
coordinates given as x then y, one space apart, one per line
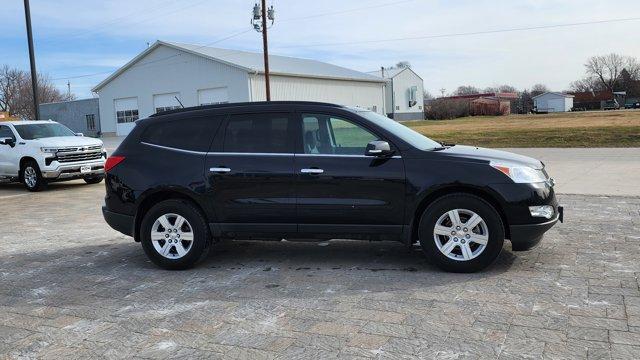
460 252
31 176
94 179
180 254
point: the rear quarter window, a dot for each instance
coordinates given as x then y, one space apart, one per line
186 134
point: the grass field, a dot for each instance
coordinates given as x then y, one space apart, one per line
575 129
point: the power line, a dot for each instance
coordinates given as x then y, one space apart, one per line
339 12
424 37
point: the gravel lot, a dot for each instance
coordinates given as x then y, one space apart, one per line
74 288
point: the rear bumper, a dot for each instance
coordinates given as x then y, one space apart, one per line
119 222
525 237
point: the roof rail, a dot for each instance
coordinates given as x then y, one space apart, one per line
238 104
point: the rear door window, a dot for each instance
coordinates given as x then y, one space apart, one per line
259 133
193 134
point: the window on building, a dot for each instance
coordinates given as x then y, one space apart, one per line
127 116
397 107
258 133
324 134
186 134
91 121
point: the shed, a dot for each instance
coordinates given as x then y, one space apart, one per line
553 102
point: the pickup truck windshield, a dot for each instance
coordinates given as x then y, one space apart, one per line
412 137
39 131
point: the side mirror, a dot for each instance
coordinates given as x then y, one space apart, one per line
378 148
79 134
7 141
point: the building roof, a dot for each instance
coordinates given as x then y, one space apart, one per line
502 95
554 93
589 96
253 63
391 73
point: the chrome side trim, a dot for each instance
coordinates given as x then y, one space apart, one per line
174 149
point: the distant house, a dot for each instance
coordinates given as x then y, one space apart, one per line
81 116
553 102
404 93
485 103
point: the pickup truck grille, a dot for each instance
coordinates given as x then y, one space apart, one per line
79 154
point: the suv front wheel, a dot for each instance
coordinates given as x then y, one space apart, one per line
174 234
461 233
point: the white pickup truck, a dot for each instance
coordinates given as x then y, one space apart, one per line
38 152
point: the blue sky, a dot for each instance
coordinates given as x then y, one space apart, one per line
74 37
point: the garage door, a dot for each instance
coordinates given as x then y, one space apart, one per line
126 113
556 105
164 102
213 96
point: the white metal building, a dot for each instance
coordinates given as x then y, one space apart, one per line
196 75
404 93
553 102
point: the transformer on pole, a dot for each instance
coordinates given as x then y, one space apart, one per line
260 16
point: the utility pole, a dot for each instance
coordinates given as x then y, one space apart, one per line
32 60
68 90
259 21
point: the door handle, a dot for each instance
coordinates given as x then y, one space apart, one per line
311 171
220 169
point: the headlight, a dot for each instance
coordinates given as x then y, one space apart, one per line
49 150
545 211
520 174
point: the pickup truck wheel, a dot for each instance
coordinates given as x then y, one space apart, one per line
32 177
461 233
175 235
94 179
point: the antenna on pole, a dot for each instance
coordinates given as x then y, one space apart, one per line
260 16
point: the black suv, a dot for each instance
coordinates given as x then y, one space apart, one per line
185 179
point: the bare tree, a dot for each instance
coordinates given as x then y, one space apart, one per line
466 90
539 89
16 96
403 64
428 96
501 88
607 69
588 84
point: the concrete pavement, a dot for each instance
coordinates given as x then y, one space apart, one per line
591 171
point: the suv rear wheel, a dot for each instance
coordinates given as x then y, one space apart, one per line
32 177
174 234
461 233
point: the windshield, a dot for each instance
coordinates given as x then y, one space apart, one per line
38 131
412 137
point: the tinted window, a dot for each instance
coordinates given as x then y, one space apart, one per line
38 131
187 134
258 133
324 134
5 132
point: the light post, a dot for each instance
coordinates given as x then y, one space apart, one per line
32 60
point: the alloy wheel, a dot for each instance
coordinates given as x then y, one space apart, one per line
172 236
461 234
30 176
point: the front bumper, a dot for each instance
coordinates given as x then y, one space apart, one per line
525 237
120 222
72 171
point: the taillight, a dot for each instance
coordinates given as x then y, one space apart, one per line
112 161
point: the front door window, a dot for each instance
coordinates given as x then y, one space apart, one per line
327 134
